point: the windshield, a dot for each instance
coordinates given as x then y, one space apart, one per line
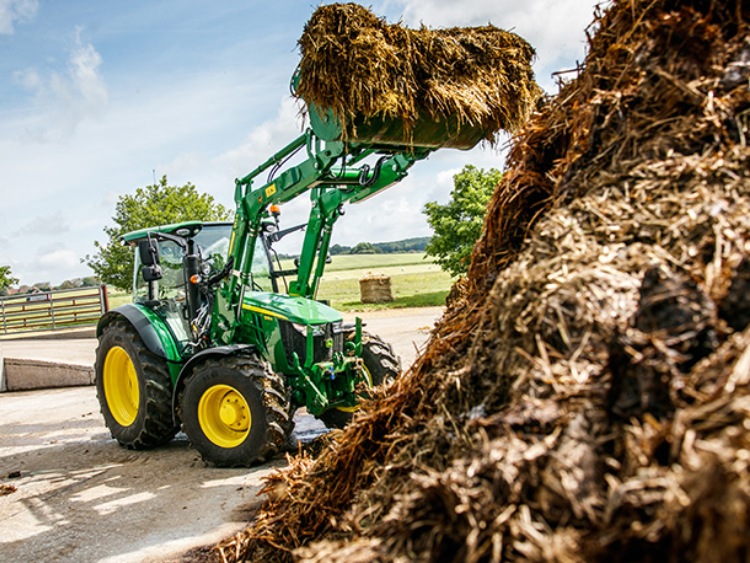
213 244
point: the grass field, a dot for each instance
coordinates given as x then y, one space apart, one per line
118 297
415 281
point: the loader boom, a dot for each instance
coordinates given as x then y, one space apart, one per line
334 173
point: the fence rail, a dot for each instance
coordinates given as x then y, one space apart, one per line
53 310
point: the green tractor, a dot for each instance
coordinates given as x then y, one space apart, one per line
220 339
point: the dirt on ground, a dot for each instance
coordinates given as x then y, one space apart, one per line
70 493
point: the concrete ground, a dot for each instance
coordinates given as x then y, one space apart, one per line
77 496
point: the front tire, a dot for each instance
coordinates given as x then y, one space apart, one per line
381 366
134 389
235 411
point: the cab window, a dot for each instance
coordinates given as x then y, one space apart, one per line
261 269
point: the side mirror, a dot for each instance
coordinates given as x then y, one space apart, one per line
148 251
151 273
149 255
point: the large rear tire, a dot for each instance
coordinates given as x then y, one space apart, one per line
381 366
235 411
134 389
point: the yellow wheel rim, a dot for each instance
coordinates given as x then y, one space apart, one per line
368 380
224 416
121 386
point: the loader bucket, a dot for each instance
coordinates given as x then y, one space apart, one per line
394 134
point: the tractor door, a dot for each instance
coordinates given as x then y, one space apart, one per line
168 292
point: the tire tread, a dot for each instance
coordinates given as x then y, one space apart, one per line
274 397
156 427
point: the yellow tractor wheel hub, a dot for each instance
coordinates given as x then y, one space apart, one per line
120 381
224 416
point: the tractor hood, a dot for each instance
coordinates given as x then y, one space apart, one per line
286 308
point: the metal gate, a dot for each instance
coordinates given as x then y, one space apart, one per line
53 310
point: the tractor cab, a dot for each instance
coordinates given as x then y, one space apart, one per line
162 274
171 260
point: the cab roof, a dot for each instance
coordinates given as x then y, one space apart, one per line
190 228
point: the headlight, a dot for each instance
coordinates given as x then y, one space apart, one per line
318 330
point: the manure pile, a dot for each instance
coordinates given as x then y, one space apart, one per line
587 394
359 66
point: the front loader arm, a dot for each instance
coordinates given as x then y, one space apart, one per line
327 199
333 173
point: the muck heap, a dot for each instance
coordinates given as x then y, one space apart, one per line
586 396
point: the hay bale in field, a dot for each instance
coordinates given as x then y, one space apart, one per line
586 398
375 288
359 66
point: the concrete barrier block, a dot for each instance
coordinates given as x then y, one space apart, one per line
25 375
2 370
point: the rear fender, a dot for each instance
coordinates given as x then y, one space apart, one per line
153 331
200 357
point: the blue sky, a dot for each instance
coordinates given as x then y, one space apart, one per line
98 98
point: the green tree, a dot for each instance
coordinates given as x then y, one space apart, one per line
365 248
337 249
457 225
90 281
70 284
6 278
157 204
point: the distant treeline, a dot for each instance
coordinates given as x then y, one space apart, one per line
89 281
407 245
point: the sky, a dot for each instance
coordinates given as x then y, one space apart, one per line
100 98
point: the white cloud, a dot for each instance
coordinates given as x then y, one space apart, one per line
265 139
444 182
16 11
555 28
59 259
259 144
48 264
48 225
84 74
68 96
29 79
445 13
182 128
